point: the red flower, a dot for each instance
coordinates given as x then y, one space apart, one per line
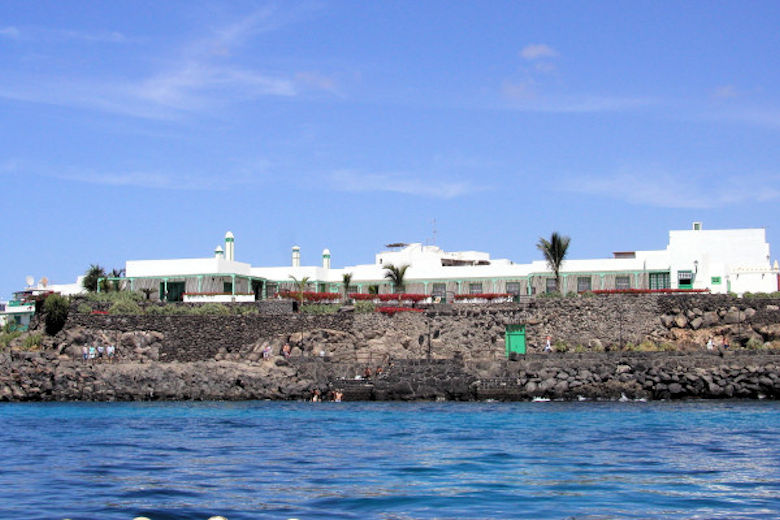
392 310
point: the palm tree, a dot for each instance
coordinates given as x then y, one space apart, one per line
116 273
301 287
346 280
91 277
554 252
396 276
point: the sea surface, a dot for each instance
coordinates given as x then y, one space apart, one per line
275 460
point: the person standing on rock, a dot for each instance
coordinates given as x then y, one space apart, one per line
710 345
547 345
84 353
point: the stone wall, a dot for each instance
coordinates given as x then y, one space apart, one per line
475 332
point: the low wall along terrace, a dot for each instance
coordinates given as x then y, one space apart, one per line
451 352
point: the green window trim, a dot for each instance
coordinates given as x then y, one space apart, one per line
715 280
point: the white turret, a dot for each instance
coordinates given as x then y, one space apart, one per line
326 258
296 256
219 252
230 247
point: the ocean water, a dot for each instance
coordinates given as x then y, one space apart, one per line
273 460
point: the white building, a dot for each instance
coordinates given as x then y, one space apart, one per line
721 261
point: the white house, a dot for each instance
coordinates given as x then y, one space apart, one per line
731 260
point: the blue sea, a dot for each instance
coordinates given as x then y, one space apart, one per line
275 460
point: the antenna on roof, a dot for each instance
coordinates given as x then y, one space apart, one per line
30 280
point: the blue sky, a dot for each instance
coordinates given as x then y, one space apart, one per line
145 129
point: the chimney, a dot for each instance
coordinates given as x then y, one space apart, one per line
230 246
326 258
296 256
219 253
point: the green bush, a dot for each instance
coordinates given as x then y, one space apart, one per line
561 346
56 309
647 346
754 344
32 342
211 309
319 308
667 347
7 336
84 308
553 294
364 306
126 308
169 309
115 296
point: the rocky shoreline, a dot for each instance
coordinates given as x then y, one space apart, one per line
35 376
637 347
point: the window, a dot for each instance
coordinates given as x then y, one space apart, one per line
660 281
716 280
475 288
513 288
550 285
353 289
622 282
439 290
271 288
684 279
227 287
583 284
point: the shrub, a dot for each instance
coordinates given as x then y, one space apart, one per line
667 347
364 306
32 342
115 296
84 308
56 309
754 344
553 294
561 346
7 336
212 309
321 308
128 308
647 346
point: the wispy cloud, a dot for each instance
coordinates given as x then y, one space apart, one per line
535 51
10 32
526 96
665 190
725 92
353 181
201 76
47 35
160 180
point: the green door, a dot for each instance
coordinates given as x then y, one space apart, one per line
175 291
515 339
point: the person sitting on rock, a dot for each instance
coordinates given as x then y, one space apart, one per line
286 350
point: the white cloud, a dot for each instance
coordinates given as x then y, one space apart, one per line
725 92
161 180
535 51
201 76
526 96
10 32
677 191
350 180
